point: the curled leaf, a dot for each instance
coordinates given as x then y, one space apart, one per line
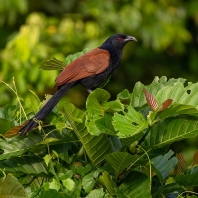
150 100
167 103
181 165
195 158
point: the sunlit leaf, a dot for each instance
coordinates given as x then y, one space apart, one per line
172 129
108 183
96 193
10 187
53 64
129 124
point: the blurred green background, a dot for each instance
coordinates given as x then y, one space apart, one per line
33 31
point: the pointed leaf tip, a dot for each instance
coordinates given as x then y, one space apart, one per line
150 100
167 103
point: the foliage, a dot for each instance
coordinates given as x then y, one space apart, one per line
111 147
114 148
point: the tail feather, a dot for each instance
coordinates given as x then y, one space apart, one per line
46 109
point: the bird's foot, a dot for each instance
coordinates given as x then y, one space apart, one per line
89 90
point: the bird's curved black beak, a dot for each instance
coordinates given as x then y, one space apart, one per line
130 38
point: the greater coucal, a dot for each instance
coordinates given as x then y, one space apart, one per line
90 70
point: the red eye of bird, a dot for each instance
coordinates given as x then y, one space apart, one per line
120 38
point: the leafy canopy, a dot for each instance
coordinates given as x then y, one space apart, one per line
102 151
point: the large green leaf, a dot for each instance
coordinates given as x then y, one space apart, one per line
137 185
173 188
51 193
121 160
178 109
104 124
162 90
96 193
138 98
5 125
179 93
11 188
162 165
96 146
188 179
106 180
17 145
53 64
95 109
172 129
129 124
28 165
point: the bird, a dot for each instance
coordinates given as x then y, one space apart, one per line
90 70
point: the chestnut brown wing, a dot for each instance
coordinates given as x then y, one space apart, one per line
93 62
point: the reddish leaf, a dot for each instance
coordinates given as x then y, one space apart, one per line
150 100
195 158
181 165
166 104
14 131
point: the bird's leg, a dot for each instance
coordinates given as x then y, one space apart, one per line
89 91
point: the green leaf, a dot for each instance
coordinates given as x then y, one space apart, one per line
16 146
96 193
136 184
121 160
187 179
10 187
124 96
95 109
106 180
51 193
5 125
129 124
88 182
83 170
96 146
162 165
72 57
138 99
178 109
53 64
104 124
173 188
47 159
113 106
54 185
69 184
27 165
172 129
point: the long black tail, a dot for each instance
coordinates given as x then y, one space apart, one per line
46 109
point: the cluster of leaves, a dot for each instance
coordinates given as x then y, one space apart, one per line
114 148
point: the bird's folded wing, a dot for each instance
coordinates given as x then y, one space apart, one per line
93 62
